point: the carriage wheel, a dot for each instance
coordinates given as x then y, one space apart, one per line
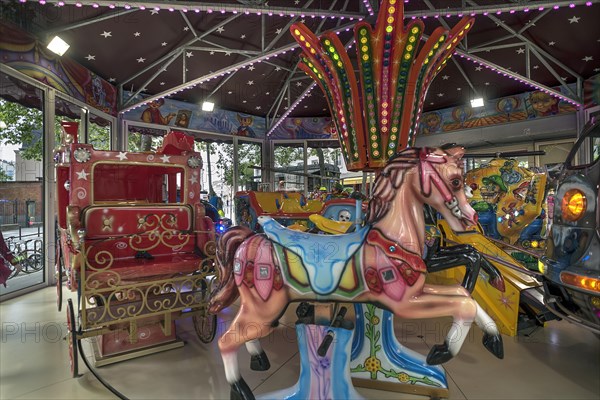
206 326
72 339
59 279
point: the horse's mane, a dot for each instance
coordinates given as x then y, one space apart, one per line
388 181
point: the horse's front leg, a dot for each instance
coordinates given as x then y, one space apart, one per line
492 340
454 256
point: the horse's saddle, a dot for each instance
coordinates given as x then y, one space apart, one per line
323 256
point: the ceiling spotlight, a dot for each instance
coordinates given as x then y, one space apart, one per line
208 106
58 46
478 102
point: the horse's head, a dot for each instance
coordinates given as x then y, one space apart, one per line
442 185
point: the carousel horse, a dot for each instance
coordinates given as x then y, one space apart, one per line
380 263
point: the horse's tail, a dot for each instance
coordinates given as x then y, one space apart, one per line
226 293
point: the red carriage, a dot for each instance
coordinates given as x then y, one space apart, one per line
135 244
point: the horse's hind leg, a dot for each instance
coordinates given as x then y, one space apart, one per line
259 360
429 305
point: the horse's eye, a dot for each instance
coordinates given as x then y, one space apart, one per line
456 183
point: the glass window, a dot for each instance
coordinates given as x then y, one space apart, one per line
587 150
288 161
141 138
65 110
217 174
249 164
99 132
21 183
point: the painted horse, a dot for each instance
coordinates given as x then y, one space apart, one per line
379 263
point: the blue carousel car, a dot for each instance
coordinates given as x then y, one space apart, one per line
571 266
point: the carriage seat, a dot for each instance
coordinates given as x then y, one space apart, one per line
324 256
142 241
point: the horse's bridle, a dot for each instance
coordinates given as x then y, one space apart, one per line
430 174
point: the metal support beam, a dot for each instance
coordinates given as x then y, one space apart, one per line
196 6
183 46
518 77
286 87
497 47
224 50
90 21
533 45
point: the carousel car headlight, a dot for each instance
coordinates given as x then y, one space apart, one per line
583 282
574 204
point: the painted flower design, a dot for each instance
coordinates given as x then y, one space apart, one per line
403 377
373 364
194 162
373 281
324 362
82 155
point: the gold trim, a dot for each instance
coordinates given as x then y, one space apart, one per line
100 360
420 390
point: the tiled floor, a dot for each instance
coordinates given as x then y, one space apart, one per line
559 361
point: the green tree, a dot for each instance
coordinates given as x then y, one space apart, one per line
4 176
22 126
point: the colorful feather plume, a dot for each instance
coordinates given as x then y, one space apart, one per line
378 117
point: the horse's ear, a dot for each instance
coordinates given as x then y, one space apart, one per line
457 152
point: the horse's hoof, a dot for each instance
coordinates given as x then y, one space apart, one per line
494 344
439 354
260 362
241 391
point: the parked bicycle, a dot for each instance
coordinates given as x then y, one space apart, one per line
24 256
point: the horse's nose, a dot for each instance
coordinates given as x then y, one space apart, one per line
475 218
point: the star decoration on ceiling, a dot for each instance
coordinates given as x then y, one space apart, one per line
574 20
162 84
163 44
296 2
487 84
230 92
186 28
141 59
111 80
153 12
277 68
445 77
440 95
106 34
298 84
90 57
267 93
587 58
243 36
250 83
189 54
564 78
536 66
278 31
137 34
251 68
478 68
551 43
458 88
227 53
596 69
212 53
520 50
221 29
244 101
258 107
